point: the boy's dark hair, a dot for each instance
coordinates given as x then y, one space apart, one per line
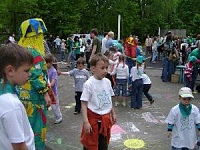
98 57
15 55
94 31
81 60
49 58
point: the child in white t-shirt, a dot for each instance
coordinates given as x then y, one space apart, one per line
146 87
98 113
137 83
15 130
122 73
183 120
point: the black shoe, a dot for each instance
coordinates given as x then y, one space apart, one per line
152 101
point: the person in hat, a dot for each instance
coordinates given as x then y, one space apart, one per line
34 93
137 83
183 120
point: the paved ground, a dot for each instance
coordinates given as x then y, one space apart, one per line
135 129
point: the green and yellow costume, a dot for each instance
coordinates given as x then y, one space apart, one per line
32 93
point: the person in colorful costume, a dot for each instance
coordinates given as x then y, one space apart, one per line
130 50
34 94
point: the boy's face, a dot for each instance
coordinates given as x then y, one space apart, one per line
80 66
100 70
185 101
20 75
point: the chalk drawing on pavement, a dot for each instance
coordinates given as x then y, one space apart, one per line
116 129
149 117
134 143
116 132
115 137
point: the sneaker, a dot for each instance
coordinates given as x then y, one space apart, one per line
76 112
194 92
116 103
151 102
58 121
123 104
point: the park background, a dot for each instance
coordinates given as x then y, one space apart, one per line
138 17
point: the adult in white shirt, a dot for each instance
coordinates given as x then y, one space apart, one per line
104 40
58 44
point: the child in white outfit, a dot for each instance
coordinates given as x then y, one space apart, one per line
122 72
183 120
15 130
98 113
137 83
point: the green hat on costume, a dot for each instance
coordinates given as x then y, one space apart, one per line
193 59
140 59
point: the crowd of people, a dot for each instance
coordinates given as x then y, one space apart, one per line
29 76
175 51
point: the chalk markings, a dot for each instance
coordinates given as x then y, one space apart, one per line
149 117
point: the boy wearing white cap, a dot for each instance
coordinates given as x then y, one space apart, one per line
183 120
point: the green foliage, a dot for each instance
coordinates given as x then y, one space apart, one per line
140 17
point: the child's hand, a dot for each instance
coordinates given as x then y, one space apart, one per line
58 72
47 99
114 118
87 127
169 134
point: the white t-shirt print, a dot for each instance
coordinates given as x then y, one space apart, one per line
98 94
184 130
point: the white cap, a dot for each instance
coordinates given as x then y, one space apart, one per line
185 92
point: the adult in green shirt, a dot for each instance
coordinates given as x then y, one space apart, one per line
96 44
70 42
196 53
